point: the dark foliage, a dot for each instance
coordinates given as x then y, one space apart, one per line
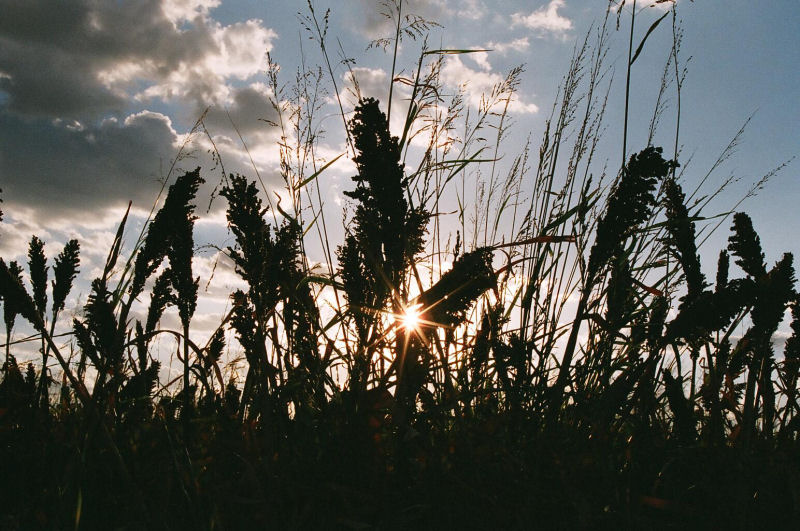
446 303
661 418
681 239
385 233
37 265
64 272
629 205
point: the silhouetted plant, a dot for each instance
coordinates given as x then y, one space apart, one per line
384 235
448 389
630 204
11 273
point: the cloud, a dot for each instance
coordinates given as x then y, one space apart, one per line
472 9
59 166
663 5
478 83
517 45
83 59
250 109
374 16
372 83
502 48
546 19
15 235
238 52
61 169
182 10
77 77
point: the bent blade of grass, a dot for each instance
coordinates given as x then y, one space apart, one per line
319 171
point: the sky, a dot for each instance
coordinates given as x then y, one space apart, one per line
99 98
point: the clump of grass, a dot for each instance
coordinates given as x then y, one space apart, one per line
415 382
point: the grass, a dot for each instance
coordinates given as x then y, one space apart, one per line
569 364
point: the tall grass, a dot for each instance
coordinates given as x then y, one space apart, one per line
560 361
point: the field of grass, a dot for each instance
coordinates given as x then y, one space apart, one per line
555 359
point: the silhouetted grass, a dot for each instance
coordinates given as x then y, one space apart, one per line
418 383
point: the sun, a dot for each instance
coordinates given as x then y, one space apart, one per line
411 318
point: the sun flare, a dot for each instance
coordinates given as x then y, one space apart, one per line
411 318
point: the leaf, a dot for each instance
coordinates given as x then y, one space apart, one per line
413 109
581 206
454 51
320 279
646 35
500 212
282 211
460 164
512 303
319 171
649 289
333 322
570 238
113 254
312 223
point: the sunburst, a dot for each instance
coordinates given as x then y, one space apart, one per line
411 318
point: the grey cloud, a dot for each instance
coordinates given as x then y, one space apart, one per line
372 83
59 167
372 21
249 110
62 59
69 74
51 84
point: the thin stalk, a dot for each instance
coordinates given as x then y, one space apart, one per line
394 60
678 85
8 347
323 48
628 86
185 373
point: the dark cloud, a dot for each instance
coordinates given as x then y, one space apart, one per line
62 169
83 58
57 166
53 55
77 76
250 110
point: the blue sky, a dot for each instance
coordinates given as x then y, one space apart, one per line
96 98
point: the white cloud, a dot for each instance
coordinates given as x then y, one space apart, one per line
472 9
481 59
517 45
663 5
545 19
15 233
182 10
478 83
502 48
238 52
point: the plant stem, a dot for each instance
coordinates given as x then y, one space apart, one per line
394 60
628 86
